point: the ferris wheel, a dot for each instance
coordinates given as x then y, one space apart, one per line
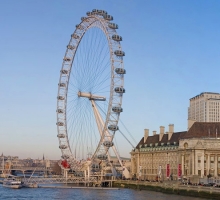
90 91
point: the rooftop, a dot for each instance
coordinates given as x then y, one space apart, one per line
197 130
214 93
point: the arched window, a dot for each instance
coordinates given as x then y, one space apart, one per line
185 145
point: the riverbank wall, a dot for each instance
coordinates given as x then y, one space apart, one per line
171 187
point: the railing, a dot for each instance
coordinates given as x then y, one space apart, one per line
24 168
39 180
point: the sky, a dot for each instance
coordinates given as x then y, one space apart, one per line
172 54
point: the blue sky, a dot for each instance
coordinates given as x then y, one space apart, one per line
172 54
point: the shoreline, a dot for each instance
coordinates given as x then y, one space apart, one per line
75 187
168 187
171 188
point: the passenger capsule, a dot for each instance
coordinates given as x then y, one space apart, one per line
60 98
60 111
119 90
120 71
102 157
62 146
94 166
65 157
113 127
75 36
71 47
117 109
95 11
119 53
61 135
64 71
108 144
67 59
59 123
113 25
108 17
117 38
88 13
62 84
102 12
79 26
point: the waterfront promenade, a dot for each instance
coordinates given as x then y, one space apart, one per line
171 187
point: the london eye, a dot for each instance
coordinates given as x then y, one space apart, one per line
90 92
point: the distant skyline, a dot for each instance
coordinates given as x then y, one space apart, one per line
172 54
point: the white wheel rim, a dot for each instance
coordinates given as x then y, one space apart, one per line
71 125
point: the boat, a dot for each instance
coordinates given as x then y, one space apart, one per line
30 185
12 182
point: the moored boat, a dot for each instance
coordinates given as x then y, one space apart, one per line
30 185
12 182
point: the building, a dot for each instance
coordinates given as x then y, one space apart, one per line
204 108
174 155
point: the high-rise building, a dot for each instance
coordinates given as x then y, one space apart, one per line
204 107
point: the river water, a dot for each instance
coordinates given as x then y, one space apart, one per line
84 194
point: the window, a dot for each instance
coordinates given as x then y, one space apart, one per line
199 161
218 166
212 160
186 145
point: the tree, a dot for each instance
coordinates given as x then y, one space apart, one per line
209 176
56 169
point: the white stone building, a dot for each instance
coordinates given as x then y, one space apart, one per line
174 155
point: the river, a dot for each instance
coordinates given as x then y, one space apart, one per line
84 194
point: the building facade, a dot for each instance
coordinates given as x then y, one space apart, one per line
204 107
174 155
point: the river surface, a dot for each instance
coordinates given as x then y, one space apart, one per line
84 194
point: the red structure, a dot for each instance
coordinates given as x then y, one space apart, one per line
65 164
179 171
168 171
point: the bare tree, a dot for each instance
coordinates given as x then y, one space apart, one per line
56 169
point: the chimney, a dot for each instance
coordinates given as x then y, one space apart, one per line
154 132
146 134
161 132
171 130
